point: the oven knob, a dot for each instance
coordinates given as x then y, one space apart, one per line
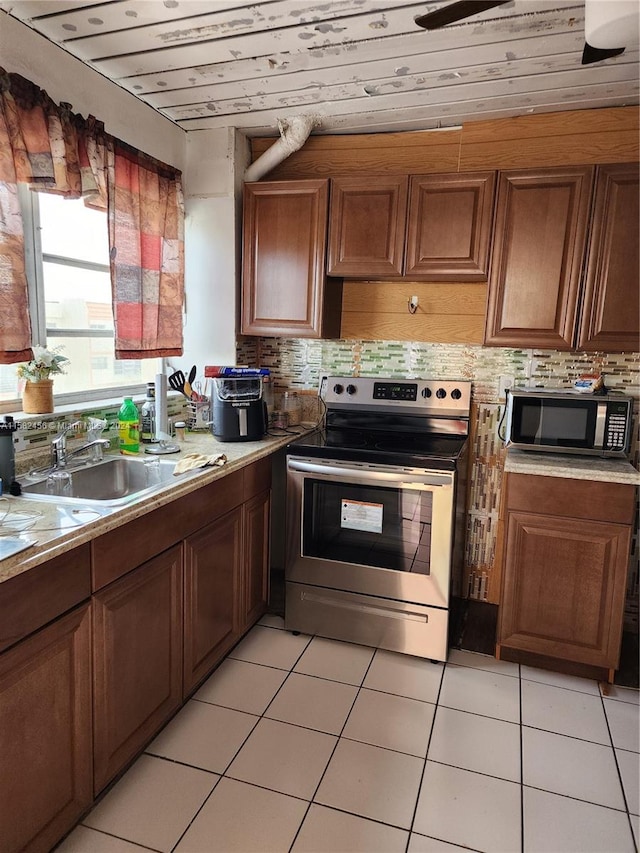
440 393
456 393
351 389
426 393
338 389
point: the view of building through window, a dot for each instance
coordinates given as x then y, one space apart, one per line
72 283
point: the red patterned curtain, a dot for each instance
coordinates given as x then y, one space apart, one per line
147 254
48 147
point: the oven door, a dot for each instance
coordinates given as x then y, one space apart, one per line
376 530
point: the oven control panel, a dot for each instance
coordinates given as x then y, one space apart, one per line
419 396
395 391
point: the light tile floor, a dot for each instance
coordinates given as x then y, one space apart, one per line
305 744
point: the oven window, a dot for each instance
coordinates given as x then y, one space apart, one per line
388 528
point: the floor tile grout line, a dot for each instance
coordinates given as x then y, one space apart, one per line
244 741
111 835
522 819
424 766
622 811
615 758
333 751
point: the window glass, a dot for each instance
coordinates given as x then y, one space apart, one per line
73 288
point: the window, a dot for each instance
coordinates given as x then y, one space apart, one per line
67 251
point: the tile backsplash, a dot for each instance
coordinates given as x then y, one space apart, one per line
297 365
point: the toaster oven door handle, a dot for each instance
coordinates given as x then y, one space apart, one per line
601 420
368 472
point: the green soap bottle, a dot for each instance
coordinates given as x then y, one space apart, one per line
128 427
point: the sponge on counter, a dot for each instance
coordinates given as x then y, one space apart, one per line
198 460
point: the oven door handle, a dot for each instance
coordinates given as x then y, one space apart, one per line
370 472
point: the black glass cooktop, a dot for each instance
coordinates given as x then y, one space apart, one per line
420 450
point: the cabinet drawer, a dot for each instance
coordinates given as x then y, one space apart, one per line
121 550
30 600
588 499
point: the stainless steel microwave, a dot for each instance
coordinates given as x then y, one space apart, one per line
596 425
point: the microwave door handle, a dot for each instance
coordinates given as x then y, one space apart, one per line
601 420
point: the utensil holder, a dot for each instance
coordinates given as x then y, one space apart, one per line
198 414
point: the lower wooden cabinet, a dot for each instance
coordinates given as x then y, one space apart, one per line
566 556
212 590
254 594
137 660
45 734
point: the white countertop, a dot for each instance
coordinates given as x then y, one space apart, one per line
570 466
58 528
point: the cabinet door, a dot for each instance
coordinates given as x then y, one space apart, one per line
255 576
212 584
449 230
137 660
538 247
367 226
45 734
611 311
283 268
564 587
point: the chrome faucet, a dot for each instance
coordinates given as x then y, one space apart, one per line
59 454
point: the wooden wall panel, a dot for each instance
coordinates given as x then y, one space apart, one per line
447 313
372 153
553 139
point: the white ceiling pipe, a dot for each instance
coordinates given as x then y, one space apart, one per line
294 132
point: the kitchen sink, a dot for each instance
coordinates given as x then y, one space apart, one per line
115 481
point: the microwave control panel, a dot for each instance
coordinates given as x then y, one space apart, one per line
616 437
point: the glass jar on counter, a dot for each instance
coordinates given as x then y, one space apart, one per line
293 407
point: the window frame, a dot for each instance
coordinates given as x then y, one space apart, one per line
34 261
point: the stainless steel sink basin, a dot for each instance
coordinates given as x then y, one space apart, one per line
115 481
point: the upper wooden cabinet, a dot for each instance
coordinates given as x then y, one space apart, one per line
367 226
611 310
449 226
442 234
284 291
538 247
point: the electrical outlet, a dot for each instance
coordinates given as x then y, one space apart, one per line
504 383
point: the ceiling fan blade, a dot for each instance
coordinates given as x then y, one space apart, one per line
456 12
596 54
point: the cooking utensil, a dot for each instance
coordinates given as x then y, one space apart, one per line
188 384
177 382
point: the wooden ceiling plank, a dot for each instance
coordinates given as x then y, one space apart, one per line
399 72
295 23
340 100
425 116
74 21
309 38
507 45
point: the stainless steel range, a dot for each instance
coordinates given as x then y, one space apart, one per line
375 514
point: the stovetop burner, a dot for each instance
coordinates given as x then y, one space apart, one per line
409 423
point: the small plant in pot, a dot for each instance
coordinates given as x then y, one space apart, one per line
37 395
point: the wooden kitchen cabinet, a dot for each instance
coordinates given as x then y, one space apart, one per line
254 593
46 781
367 226
539 241
611 309
449 226
137 660
284 285
213 560
565 561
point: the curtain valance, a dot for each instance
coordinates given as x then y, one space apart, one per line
48 147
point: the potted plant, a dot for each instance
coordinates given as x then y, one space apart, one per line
37 394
